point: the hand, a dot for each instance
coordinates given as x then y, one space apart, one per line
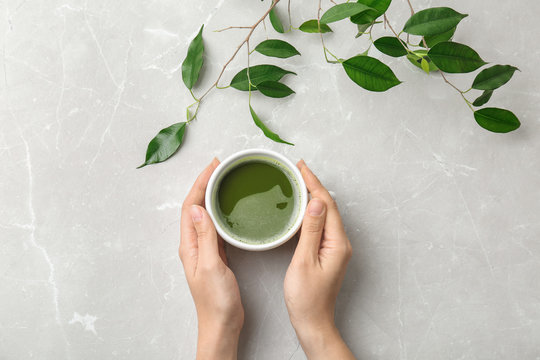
220 313
315 274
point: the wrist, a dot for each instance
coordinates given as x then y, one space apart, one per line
322 342
217 342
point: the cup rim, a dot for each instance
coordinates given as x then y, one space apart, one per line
302 206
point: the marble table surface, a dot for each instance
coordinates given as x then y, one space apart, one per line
444 217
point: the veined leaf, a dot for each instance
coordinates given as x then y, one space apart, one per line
370 73
433 21
311 26
416 59
433 40
379 7
453 57
258 74
276 22
267 132
484 98
274 89
164 144
342 11
391 46
276 48
493 77
193 62
361 29
496 120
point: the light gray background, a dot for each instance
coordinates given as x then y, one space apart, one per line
443 215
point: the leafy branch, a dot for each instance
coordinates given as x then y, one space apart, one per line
435 52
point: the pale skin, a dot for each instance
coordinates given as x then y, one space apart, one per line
311 284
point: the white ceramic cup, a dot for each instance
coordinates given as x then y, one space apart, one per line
290 170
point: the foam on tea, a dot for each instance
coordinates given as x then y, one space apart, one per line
256 201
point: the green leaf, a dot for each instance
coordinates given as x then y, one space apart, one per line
433 21
274 89
192 65
312 26
424 65
276 48
493 77
342 11
361 29
484 98
453 57
164 144
496 120
257 75
276 22
267 132
433 40
370 73
391 46
379 7
416 59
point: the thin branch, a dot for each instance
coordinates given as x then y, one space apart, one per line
233 27
253 27
461 92
395 33
410 7
289 12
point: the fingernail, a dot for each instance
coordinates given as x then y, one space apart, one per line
301 164
315 207
196 214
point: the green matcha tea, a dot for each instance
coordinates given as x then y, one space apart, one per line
256 202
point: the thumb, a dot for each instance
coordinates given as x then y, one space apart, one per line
206 233
312 229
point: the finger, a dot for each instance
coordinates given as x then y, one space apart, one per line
196 194
222 253
312 230
334 224
207 240
188 237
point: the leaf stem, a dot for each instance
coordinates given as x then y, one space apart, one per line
233 27
461 92
396 34
252 29
193 96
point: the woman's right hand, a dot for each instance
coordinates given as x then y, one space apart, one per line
315 274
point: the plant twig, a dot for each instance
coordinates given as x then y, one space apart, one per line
233 27
395 33
410 7
289 12
252 28
461 92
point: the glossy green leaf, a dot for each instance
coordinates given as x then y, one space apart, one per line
379 7
276 22
276 48
417 57
342 11
274 89
267 132
164 144
257 75
361 29
433 21
312 26
424 65
391 46
191 67
433 40
493 77
453 57
370 73
484 98
496 120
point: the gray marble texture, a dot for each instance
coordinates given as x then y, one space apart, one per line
444 216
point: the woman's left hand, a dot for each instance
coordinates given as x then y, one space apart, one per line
213 285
